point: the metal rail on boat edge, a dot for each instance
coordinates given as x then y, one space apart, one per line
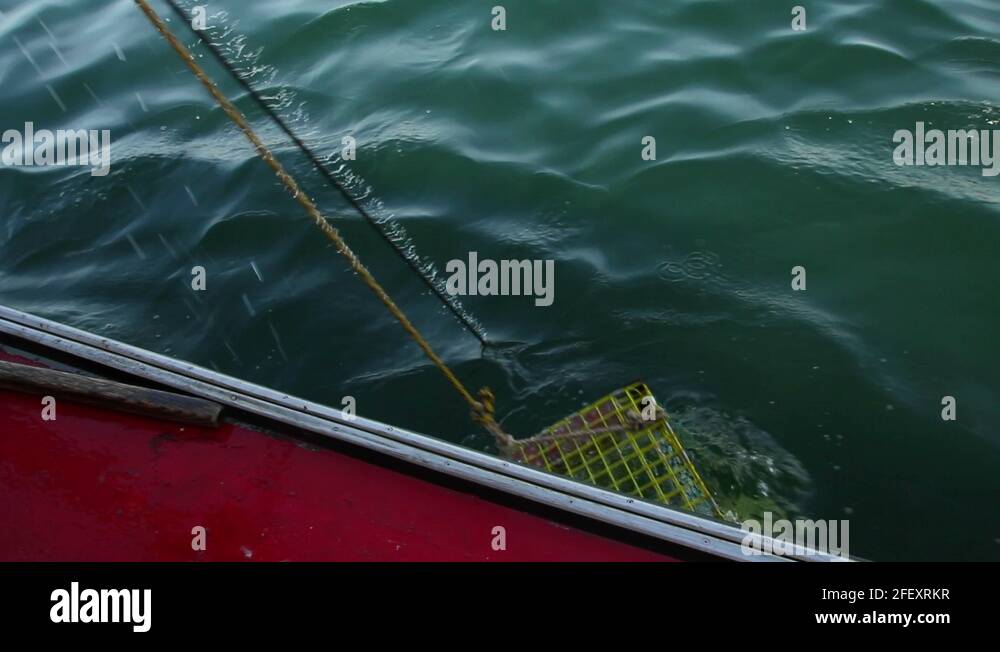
677 527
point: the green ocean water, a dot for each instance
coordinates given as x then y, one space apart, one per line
774 150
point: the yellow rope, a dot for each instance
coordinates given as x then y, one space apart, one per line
482 410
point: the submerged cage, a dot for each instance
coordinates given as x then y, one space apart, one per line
621 442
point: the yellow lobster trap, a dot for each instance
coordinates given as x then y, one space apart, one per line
621 442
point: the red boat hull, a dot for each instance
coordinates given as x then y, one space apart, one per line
95 485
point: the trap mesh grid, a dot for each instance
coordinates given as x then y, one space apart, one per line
645 460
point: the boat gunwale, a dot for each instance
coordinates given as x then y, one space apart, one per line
688 530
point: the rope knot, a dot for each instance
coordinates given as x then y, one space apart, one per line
487 402
482 413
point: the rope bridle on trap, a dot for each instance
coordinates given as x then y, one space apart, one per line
619 443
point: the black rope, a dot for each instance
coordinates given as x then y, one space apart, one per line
325 172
